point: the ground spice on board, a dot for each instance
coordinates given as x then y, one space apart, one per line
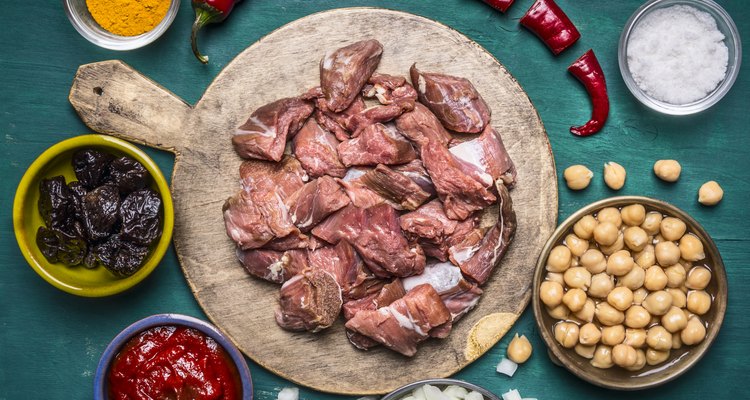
128 17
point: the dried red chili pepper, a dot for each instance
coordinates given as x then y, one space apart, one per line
208 12
546 20
501 5
589 72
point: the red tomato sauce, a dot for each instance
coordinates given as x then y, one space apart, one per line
173 362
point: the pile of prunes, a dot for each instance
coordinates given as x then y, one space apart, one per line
109 216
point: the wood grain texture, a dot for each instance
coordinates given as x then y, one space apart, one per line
283 64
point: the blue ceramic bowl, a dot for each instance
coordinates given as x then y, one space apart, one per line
100 380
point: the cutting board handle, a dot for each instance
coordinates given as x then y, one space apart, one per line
113 98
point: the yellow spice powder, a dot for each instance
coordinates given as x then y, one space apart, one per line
128 17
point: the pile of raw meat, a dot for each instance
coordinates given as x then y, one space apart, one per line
376 210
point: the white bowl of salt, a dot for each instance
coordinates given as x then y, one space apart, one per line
680 57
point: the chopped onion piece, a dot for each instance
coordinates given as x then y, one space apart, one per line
507 367
289 394
456 392
512 395
434 393
419 393
474 395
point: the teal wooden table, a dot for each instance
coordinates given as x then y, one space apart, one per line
50 341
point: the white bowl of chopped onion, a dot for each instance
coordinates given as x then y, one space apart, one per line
448 389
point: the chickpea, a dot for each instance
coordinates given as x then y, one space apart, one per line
576 245
691 248
620 298
676 341
577 177
635 238
639 295
667 170
612 335
566 333
655 357
551 293
589 334
667 253
602 357
655 278
605 233
675 275
633 280
679 298
658 303
672 228
686 264
586 313
624 355
620 263
659 338
694 332
574 299
652 223
610 214
674 320
585 351
584 228
633 215
618 245
640 361
608 315
635 337
601 285
519 349
657 239
698 302
593 260
710 193
555 277
559 259
637 317
577 277
698 278
614 175
559 312
647 257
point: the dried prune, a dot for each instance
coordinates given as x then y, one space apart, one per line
139 213
127 174
106 252
119 256
57 246
56 202
90 261
91 166
100 212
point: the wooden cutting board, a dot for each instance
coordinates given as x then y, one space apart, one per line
113 98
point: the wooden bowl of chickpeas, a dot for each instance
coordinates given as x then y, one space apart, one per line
629 293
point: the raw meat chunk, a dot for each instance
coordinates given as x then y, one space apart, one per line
341 261
486 158
253 219
264 134
315 201
384 296
273 266
377 144
405 323
415 171
421 126
344 71
457 293
359 194
315 148
389 89
310 301
434 231
285 177
395 187
455 101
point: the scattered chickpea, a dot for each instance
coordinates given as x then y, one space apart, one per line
652 223
602 357
608 315
710 193
585 351
519 349
640 361
698 302
694 332
577 177
566 333
610 214
637 317
635 238
675 275
559 259
605 233
589 334
624 355
574 299
577 277
620 263
551 293
601 285
593 260
667 253
586 313
691 248
613 335
674 320
584 228
614 175
655 278
655 357
633 215
667 170
635 337
698 278
672 228
658 303
576 245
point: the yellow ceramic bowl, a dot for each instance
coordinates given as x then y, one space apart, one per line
97 282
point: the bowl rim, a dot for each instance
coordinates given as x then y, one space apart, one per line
152 321
733 67
117 42
34 171
718 272
403 390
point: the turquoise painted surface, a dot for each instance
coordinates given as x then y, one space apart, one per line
50 342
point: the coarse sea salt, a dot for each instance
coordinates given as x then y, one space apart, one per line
677 54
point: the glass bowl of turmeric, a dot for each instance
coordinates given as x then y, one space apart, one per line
121 24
